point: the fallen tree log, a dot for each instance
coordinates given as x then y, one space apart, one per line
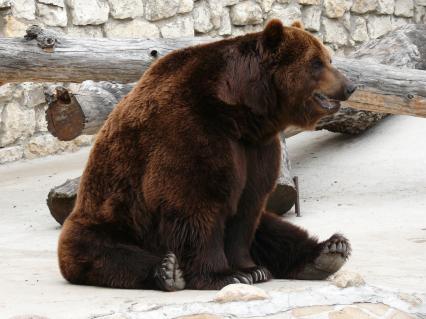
395 91
70 115
83 112
382 89
61 199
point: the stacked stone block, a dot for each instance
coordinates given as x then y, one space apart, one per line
341 24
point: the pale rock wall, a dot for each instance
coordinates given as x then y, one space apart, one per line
341 24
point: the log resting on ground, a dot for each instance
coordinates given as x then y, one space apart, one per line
382 89
83 112
61 199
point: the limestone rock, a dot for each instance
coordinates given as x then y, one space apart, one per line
412 299
88 31
336 8
404 8
385 6
399 22
40 118
378 309
310 311
225 23
284 1
85 12
180 26
12 91
311 18
202 316
32 94
58 3
345 279
286 13
13 28
310 2
237 31
334 32
240 292
216 8
227 3
421 2
378 26
124 9
15 123
349 312
52 15
10 154
5 3
161 9
420 14
186 6
359 30
202 17
363 6
246 12
266 5
84 140
46 144
23 9
133 29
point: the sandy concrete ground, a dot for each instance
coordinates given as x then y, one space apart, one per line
371 188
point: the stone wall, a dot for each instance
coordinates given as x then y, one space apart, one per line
341 24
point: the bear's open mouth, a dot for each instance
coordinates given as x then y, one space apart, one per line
325 103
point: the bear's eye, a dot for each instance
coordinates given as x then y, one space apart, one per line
317 64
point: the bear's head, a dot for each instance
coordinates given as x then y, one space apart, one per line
284 74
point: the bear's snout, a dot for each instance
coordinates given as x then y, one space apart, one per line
350 88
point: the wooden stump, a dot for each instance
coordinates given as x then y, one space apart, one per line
61 199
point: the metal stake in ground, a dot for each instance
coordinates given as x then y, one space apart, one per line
297 203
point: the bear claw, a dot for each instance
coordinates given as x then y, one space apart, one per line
259 274
242 278
168 275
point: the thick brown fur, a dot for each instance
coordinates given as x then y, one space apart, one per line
175 187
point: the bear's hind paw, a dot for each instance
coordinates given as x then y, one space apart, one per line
338 244
334 253
168 275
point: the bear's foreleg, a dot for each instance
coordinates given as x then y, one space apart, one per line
239 234
288 251
197 240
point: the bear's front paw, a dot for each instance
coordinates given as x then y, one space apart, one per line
334 253
168 274
259 274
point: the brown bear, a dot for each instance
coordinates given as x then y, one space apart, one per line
174 191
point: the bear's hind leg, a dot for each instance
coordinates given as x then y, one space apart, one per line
288 251
91 255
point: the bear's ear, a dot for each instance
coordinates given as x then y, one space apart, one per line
297 24
273 34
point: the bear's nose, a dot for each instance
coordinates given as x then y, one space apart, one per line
350 88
